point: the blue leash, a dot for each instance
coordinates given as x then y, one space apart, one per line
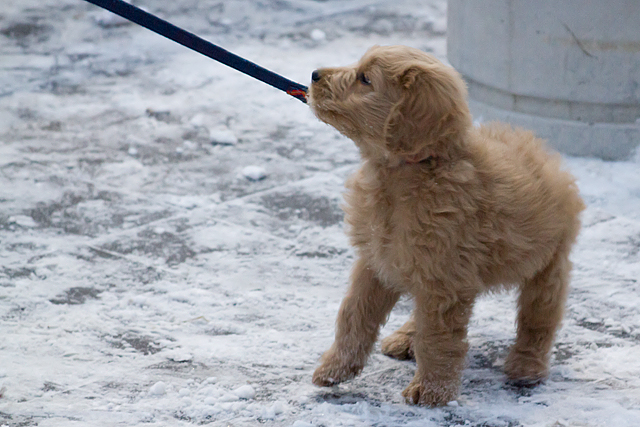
206 48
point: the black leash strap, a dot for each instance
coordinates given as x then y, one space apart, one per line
198 44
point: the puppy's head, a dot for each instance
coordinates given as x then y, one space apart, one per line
395 103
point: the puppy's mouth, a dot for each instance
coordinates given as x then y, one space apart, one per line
329 108
322 103
319 97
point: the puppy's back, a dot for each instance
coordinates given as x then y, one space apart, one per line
534 202
522 162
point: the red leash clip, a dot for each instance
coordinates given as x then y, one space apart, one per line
298 93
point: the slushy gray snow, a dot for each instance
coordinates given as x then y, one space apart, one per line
146 280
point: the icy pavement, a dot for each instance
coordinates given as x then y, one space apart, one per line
171 243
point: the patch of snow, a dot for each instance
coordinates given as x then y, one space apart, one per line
245 392
107 19
23 221
222 137
254 173
178 355
158 389
271 412
318 35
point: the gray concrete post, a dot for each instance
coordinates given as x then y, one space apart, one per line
567 69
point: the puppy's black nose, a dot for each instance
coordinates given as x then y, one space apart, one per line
315 76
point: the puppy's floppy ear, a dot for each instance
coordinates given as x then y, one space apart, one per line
432 107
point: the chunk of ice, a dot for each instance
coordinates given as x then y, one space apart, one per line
254 173
245 392
222 137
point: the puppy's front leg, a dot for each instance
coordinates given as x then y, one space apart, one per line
440 347
363 310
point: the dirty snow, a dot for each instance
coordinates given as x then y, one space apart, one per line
144 280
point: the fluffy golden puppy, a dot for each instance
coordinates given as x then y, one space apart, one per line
443 211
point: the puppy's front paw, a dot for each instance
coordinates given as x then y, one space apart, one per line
430 393
398 345
525 369
335 369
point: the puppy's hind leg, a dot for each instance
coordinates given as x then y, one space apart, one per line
399 345
541 305
363 310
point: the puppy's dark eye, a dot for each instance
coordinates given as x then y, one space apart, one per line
362 78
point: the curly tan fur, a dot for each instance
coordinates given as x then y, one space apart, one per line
443 211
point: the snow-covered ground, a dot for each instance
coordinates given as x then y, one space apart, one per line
171 242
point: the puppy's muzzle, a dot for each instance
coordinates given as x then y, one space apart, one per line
319 89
